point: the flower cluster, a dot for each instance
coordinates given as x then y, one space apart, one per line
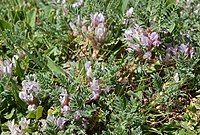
98 25
5 68
16 129
60 122
175 51
96 89
29 90
96 31
95 83
141 41
65 101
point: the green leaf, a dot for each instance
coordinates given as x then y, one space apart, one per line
30 115
28 130
171 27
5 25
35 59
47 10
9 116
20 2
124 5
31 17
54 67
39 111
19 71
14 89
139 95
169 3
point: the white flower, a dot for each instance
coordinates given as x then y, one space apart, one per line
176 77
100 32
87 65
14 129
78 4
183 48
14 60
95 86
94 96
96 89
132 34
27 98
88 68
29 89
43 124
32 107
24 123
64 98
8 67
5 68
74 29
129 12
30 86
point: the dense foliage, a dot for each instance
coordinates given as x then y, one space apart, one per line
100 67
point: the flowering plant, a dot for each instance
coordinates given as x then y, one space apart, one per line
99 67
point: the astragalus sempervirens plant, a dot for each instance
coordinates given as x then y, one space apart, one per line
138 72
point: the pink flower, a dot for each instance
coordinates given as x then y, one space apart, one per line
100 32
146 42
64 98
65 109
147 55
187 50
94 96
154 37
60 123
132 34
97 18
96 89
135 47
95 86
78 114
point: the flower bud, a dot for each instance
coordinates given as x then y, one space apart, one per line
97 18
129 12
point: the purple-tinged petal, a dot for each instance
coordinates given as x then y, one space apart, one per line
64 109
60 123
129 12
147 55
